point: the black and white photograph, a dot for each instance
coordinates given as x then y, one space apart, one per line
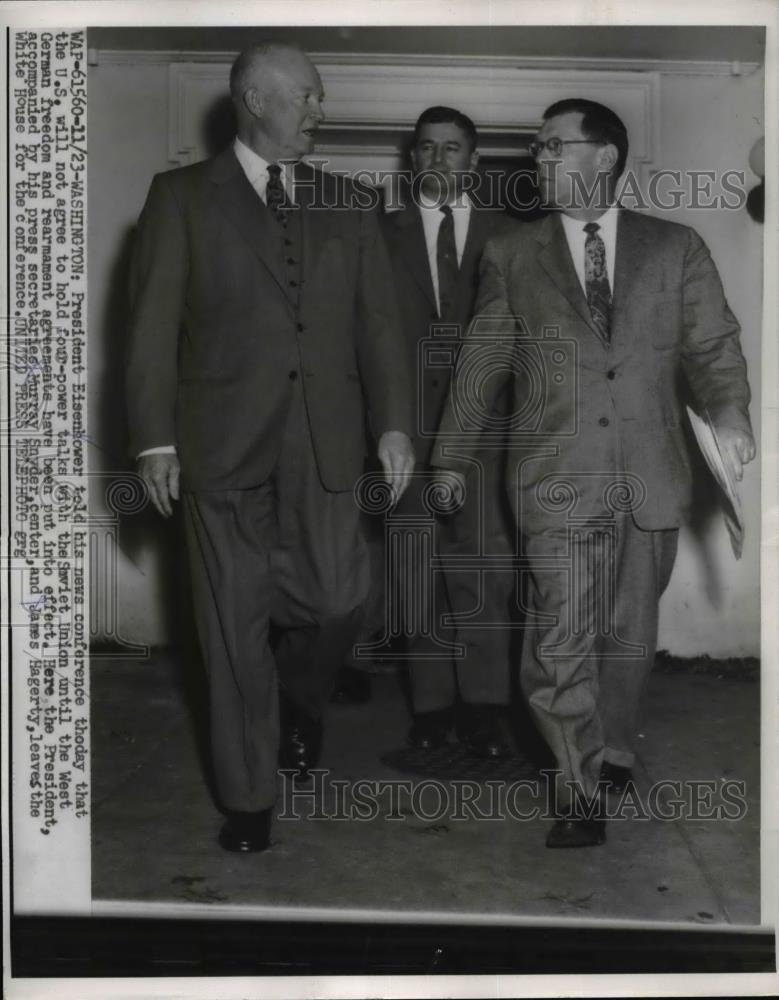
390 489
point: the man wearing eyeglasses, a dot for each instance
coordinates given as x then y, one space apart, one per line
608 310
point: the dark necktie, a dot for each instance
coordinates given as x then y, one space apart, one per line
596 280
276 196
447 263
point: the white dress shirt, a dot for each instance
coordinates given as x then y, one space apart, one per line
256 170
576 236
432 217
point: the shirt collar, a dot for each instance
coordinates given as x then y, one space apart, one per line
254 166
462 203
574 228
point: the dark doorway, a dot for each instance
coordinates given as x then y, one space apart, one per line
509 182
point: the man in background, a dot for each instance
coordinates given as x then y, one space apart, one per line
260 321
435 244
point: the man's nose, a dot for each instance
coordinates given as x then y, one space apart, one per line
439 156
317 111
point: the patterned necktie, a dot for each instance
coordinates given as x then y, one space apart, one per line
276 196
448 271
596 280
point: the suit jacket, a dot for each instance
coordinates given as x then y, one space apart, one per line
432 365
585 410
218 330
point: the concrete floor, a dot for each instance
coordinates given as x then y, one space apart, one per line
154 823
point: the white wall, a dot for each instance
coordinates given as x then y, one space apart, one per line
711 123
706 123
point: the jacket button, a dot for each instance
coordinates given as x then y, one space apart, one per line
604 421
434 383
293 375
301 328
291 260
611 374
293 284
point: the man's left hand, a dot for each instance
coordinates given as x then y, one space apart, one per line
737 448
396 455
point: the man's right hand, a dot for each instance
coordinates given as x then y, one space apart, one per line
161 472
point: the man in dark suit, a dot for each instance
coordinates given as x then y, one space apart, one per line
435 243
262 315
600 475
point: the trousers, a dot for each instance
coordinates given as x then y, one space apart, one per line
590 641
457 606
279 574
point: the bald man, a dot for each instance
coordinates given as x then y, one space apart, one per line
262 328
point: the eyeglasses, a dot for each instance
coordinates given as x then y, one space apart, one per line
555 145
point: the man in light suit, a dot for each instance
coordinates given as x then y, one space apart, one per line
262 315
435 244
606 310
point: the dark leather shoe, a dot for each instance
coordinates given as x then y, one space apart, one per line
615 778
353 687
247 832
301 741
479 730
429 729
577 833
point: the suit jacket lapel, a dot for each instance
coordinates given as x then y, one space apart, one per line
315 222
246 211
412 236
555 258
478 231
633 270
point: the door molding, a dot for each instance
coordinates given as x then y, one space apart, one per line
371 99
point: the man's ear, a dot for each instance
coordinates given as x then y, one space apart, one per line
608 156
412 155
474 159
253 102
